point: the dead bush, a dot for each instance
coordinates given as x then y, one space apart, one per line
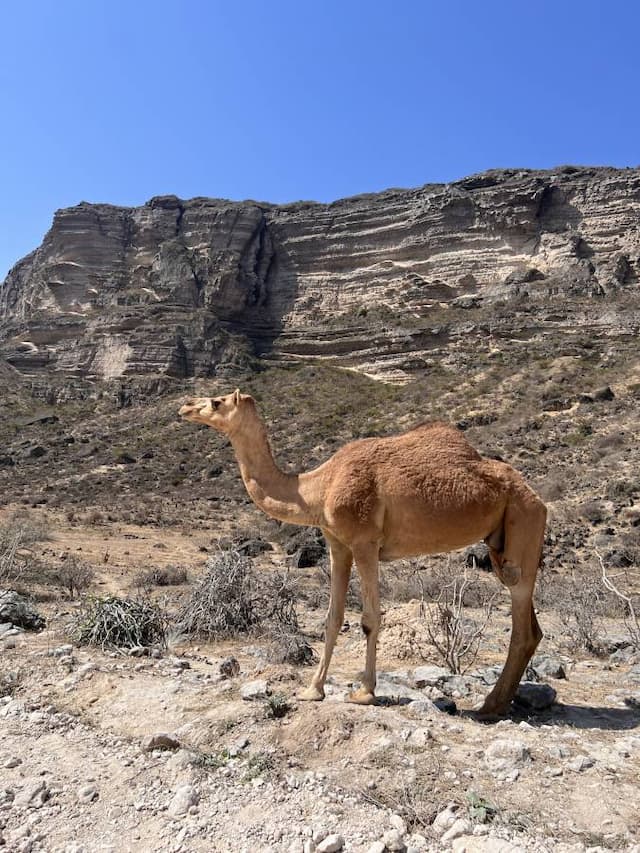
74 575
630 602
234 599
221 604
455 635
586 601
161 576
17 533
11 565
120 623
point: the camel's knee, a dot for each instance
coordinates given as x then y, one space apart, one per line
509 573
370 623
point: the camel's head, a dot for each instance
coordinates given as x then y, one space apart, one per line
222 413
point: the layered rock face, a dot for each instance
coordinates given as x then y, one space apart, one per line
376 282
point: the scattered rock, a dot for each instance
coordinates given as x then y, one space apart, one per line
398 823
331 844
429 676
253 547
581 763
418 739
160 741
87 794
229 668
446 818
184 798
254 690
238 746
504 757
459 827
548 666
535 696
33 794
393 840
15 608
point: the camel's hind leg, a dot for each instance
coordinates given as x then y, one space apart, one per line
341 560
366 557
517 567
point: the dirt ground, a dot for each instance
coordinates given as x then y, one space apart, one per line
79 773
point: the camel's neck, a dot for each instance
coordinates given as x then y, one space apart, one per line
276 493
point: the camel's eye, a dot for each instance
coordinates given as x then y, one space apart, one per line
216 404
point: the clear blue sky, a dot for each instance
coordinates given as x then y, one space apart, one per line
112 101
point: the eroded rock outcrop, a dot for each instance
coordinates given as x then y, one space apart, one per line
377 282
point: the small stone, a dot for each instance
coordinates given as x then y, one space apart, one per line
160 741
393 841
419 738
34 794
237 746
548 666
86 669
229 668
423 708
397 823
14 761
535 696
185 797
460 827
331 844
429 676
581 763
446 818
253 690
87 794
377 847
503 757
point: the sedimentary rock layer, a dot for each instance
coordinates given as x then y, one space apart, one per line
183 287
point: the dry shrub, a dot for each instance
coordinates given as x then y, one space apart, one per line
19 531
161 576
233 599
74 575
120 623
221 604
586 600
456 636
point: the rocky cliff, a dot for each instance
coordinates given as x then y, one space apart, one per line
380 283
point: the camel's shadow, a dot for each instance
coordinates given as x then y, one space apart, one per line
558 714
575 717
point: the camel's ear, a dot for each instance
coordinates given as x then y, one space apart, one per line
236 397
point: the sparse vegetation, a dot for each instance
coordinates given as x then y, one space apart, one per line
120 623
453 633
231 600
277 706
75 575
160 576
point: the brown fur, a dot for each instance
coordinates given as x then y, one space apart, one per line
425 491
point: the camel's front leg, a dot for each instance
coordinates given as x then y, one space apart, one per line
341 560
366 557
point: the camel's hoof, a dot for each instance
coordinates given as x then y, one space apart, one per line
489 714
362 697
311 694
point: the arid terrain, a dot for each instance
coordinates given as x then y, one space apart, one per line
202 745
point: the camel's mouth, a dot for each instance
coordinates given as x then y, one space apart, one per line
192 407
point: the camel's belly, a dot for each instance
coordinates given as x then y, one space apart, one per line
410 534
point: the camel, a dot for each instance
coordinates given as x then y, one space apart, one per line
425 491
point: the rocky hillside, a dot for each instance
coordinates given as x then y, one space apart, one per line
382 283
